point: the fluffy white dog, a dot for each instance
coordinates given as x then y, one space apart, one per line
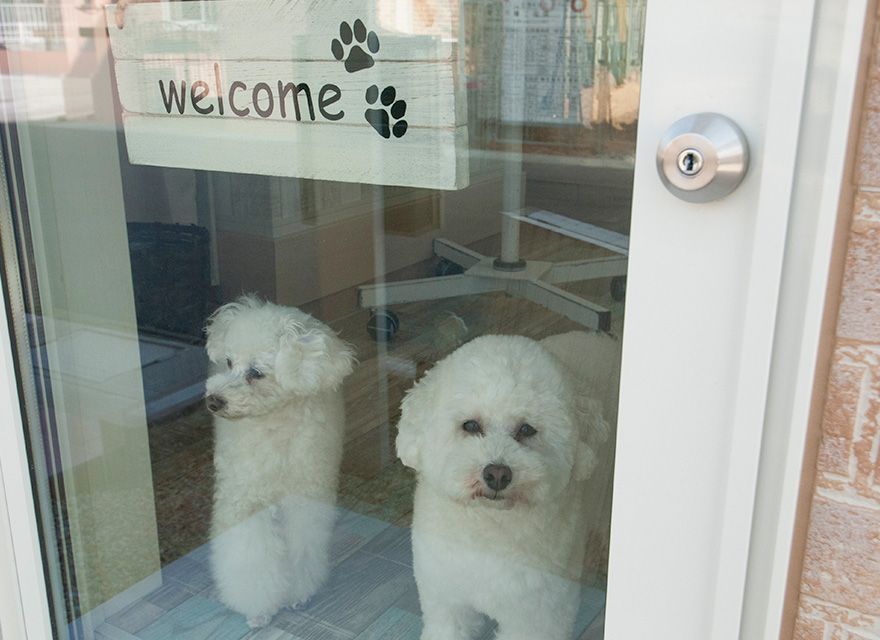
279 423
504 437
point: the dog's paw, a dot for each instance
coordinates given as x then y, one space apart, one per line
302 605
259 621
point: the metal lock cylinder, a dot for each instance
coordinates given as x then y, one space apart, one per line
702 157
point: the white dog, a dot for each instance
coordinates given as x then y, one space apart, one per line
279 423
504 438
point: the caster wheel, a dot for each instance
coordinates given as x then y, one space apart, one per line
382 325
448 268
618 288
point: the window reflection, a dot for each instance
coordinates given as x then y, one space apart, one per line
125 264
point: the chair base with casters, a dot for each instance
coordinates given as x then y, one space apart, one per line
468 272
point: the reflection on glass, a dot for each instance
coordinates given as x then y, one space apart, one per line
162 514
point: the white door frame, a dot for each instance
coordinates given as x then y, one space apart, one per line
822 195
24 602
727 445
680 562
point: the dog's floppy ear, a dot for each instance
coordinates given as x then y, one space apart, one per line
594 432
414 416
218 324
312 360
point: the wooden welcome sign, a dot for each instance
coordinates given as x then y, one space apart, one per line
302 88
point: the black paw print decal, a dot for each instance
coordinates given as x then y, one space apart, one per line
379 117
357 58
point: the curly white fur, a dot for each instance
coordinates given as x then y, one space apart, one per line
279 422
512 552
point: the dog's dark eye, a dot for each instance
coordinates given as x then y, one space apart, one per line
229 362
254 374
472 427
525 431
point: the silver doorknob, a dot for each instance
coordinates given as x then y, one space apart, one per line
702 157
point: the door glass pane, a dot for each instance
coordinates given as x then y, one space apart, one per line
266 389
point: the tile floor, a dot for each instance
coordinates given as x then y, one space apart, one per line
371 595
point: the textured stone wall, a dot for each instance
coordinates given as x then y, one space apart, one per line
840 584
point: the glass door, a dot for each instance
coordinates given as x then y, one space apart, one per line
281 378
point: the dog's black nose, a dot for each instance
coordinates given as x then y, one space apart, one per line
497 476
215 403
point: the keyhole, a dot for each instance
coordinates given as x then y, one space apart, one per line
690 162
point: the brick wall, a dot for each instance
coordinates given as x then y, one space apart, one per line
840 583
